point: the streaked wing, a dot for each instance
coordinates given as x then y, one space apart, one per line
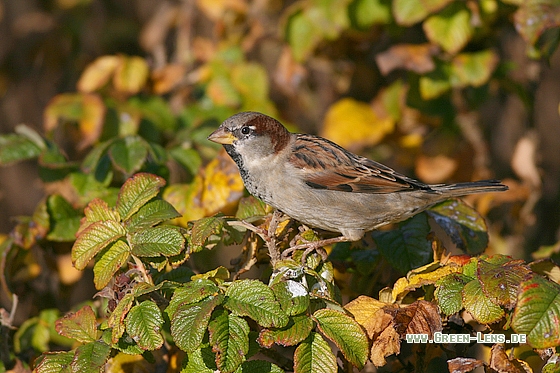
328 166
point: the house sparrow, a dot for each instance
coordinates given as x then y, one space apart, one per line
321 184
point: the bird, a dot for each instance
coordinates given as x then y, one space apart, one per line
321 184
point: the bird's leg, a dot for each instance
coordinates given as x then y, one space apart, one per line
314 246
271 242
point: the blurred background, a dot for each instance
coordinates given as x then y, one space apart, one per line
451 91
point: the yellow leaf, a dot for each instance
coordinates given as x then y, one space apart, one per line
354 124
186 200
131 74
416 280
368 312
97 74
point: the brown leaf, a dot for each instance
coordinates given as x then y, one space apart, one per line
420 317
388 343
413 57
503 364
369 313
463 365
167 78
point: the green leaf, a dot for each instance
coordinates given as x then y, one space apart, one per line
229 337
204 228
91 357
15 148
314 355
128 154
302 34
190 321
114 257
346 334
116 319
99 210
451 28
80 325
64 219
473 69
93 239
250 207
254 299
157 241
136 191
500 282
143 325
201 360
407 247
463 224
365 13
189 293
55 362
188 158
297 330
258 366
449 292
292 295
479 305
408 12
152 213
537 313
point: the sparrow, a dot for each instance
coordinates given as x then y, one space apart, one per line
319 183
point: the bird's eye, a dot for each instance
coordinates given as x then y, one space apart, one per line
245 130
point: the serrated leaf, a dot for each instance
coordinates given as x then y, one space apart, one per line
93 239
143 325
190 321
407 247
55 362
128 154
292 295
79 325
204 228
189 293
157 241
479 305
537 313
463 224
152 213
254 299
116 319
91 357
136 192
449 292
451 28
64 219
258 366
99 210
501 282
314 355
114 257
229 337
250 207
15 148
297 330
201 360
346 334
365 311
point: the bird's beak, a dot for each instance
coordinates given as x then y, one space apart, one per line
221 136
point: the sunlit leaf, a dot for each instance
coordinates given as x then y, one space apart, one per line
55 362
451 28
408 12
156 241
136 192
114 257
479 305
292 295
365 13
191 292
79 325
537 313
351 123
314 355
143 325
473 69
501 282
254 299
131 74
302 35
297 329
93 239
97 74
152 213
346 334
449 292
229 337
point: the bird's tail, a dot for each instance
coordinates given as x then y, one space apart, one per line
462 189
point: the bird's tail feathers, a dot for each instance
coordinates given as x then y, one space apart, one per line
462 189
